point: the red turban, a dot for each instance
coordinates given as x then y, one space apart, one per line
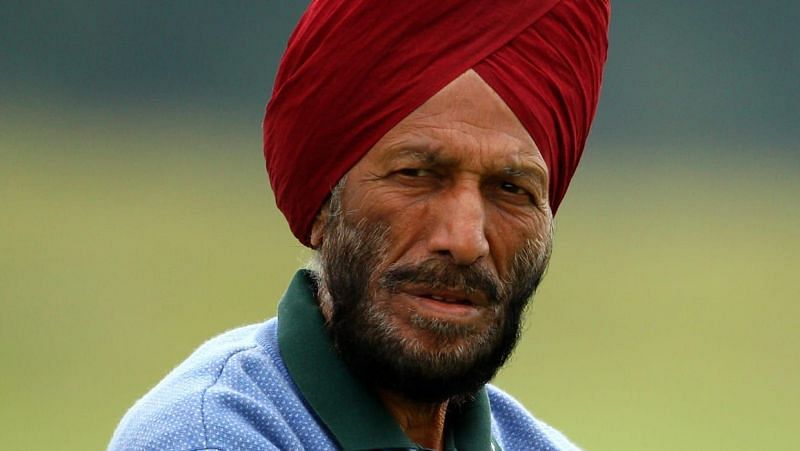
353 69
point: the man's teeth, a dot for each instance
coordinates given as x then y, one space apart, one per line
438 298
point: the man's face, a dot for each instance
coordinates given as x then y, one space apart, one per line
438 238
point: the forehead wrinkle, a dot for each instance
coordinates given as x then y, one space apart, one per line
452 139
472 130
433 144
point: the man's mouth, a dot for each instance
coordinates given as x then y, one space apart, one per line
449 304
452 296
448 300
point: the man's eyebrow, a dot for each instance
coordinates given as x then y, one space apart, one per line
433 157
528 172
430 156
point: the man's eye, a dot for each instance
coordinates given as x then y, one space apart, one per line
413 172
512 188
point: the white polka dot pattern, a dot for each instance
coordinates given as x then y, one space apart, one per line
235 393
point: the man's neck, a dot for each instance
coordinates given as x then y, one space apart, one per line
422 422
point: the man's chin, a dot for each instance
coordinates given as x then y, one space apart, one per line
418 382
432 362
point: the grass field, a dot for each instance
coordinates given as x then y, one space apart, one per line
669 318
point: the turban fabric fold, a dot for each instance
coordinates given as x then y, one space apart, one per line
353 69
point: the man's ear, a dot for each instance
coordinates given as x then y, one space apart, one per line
318 228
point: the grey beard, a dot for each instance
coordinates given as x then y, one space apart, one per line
368 340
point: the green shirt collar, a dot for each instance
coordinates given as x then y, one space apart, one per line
354 415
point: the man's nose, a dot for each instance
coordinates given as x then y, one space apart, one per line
459 229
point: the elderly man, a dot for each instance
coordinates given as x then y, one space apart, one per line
421 148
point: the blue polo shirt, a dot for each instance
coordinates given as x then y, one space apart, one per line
280 386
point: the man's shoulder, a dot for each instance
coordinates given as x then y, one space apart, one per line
213 396
516 428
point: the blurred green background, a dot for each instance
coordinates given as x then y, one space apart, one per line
136 221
